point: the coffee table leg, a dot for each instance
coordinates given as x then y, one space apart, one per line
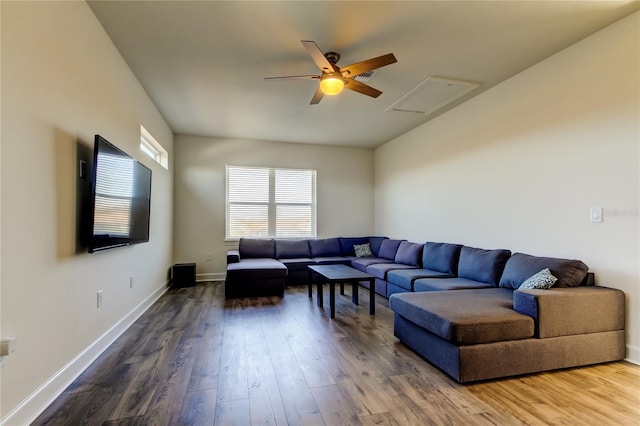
332 298
341 289
354 293
320 301
372 297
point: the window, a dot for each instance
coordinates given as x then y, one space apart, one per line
114 192
152 148
267 202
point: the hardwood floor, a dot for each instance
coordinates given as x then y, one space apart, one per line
195 359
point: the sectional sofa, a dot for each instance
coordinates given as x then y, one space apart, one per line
464 309
481 324
261 267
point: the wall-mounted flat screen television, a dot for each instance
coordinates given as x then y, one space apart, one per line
120 197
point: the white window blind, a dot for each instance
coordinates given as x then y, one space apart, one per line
267 202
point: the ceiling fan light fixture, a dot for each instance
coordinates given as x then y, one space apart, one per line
331 85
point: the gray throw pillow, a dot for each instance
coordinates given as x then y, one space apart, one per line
542 280
362 250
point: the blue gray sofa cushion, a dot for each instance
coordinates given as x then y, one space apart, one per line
465 317
405 278
375 244
380 270
325 247
483 265
362 263
409 253
250 269
250 248
389 248
438 284
333 260
346 245
520 266
442 257
292 249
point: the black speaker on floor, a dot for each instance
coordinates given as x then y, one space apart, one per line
183 274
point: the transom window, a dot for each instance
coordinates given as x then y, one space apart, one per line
150 146
269 203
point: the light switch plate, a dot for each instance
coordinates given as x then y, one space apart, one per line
596 214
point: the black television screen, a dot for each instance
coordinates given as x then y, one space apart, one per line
121 198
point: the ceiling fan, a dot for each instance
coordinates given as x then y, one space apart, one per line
333 78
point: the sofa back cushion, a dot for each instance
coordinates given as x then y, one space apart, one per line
292 249
256 248
389 248
409 253
482 265
520 266
346 245
324 247
441 257
375 243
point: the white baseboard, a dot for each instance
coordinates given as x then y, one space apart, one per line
633 355
29 409
219 276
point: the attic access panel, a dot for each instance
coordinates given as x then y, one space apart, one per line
431 95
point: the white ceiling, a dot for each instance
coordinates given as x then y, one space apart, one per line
203 63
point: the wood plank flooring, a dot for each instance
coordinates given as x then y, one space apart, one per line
194 359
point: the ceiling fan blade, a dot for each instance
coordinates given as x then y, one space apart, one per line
356 86
294 77
317 97
318 57
368 65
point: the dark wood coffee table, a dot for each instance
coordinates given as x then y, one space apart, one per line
341 274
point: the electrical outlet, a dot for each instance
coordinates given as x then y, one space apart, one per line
208 257
99 299
131 281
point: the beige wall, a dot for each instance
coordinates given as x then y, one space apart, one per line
520 166
62 82
344 186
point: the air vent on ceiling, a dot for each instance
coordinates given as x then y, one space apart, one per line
431 95
364 77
